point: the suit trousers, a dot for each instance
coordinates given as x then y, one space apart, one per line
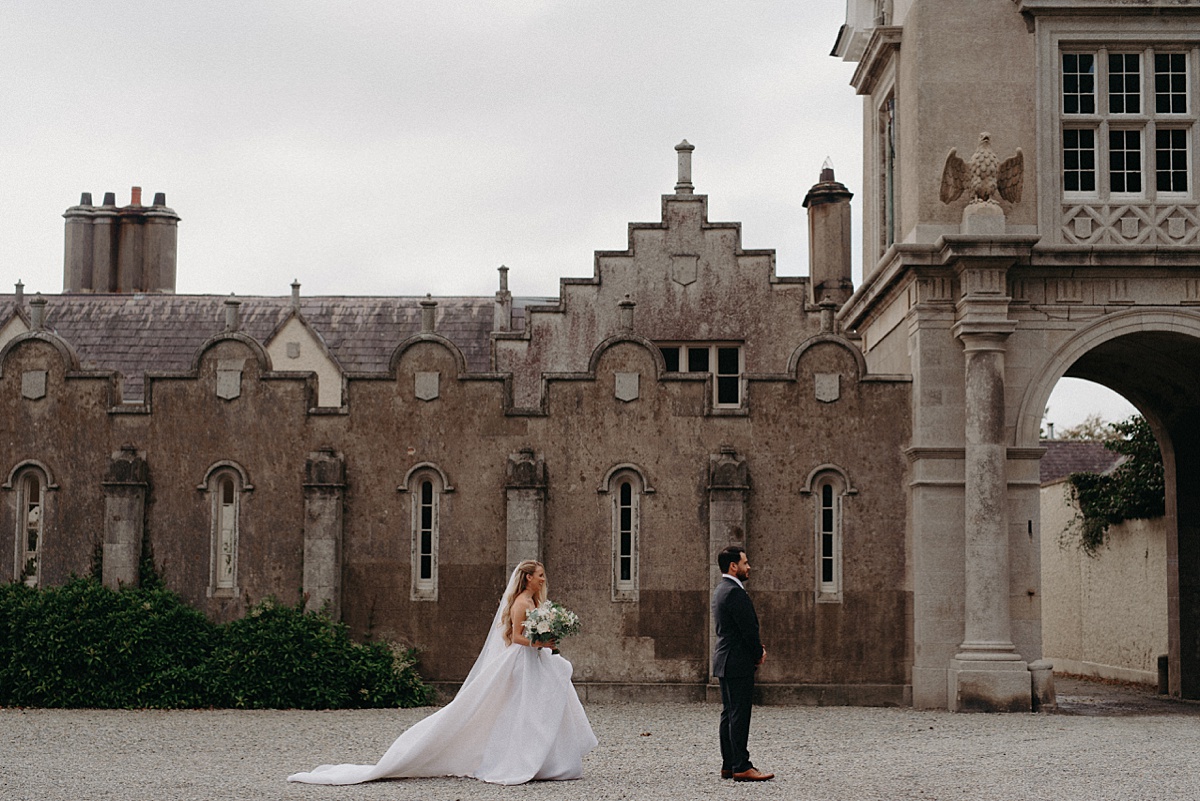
737 694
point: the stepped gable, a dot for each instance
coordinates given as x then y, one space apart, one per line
1064 457
136 334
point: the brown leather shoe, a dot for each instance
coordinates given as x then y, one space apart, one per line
752 775
726 774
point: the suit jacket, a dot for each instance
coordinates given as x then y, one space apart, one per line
738 645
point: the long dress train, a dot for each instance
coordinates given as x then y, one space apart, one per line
517 718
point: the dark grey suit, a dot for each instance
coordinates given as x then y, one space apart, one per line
735 658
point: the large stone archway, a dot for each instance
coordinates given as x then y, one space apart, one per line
986 326
1151 357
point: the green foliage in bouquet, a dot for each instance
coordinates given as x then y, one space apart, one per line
84 645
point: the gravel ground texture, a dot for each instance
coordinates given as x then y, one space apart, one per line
1105 742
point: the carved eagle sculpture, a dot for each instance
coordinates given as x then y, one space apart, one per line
984 174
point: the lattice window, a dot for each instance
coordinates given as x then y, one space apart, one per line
1139 122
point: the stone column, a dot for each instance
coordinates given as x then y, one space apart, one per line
728 491
525 491
125 486
324 493
987 674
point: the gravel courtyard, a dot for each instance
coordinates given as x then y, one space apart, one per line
1106 742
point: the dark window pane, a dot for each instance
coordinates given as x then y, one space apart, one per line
671 357
727 361
626 493
426 518
426 542
727 390
426 567
426 492
626 569
827 520
626 543
697 360
626 519
827 570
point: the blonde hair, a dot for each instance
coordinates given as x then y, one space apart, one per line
522 573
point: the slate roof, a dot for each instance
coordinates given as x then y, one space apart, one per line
140 333
1064 457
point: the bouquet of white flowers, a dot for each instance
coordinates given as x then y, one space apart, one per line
550 621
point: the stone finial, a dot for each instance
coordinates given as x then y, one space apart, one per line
19 293
503 278
296 294
231 314
626 307
37 312
428 314
684 154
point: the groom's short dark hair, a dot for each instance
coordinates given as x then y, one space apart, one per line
732 554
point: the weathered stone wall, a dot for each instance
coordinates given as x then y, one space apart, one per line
1104 615
466 431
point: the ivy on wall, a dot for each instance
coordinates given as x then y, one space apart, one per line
1133 491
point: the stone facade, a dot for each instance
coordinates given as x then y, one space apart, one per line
1092 274
392 458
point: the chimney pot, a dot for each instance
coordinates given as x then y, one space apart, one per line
110 198
85 199
20 293
231 314
503 278
135 196
160 198
296 294
428 314
37 312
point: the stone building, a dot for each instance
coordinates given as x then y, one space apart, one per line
877 449
988 297
394 457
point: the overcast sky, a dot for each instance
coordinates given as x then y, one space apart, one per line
407 147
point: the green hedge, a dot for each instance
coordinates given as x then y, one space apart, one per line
84 645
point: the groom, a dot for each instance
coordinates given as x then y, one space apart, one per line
738 654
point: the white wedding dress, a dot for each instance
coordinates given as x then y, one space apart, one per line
516 719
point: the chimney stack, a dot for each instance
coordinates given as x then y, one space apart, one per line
127 249
828 204
428 314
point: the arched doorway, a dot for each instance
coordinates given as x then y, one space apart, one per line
1152 358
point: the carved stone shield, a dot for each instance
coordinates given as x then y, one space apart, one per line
33 384
827 386
627 386
229 378
426 386
684 269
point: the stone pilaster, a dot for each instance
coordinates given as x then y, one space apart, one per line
525 491
987 674
728 493
125 486
324 492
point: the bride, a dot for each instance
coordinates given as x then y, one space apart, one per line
515 719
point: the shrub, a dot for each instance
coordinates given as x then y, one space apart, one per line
1134 490
84 645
